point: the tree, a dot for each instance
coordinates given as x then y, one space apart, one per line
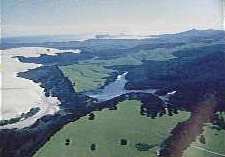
123 142
91 116
93 147
202 139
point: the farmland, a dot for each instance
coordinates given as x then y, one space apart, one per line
114 133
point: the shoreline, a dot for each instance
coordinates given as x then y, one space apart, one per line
19 95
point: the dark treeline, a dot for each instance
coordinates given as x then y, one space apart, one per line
30 113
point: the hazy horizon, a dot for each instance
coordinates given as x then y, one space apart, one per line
133 17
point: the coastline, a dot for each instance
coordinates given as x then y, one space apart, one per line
19 95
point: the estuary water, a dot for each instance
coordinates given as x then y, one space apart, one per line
115 89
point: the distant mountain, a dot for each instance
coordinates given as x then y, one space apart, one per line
47 38
81 37
193 35
107 41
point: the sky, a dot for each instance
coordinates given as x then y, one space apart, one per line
135 17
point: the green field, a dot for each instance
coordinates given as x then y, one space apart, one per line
128 60
142 135
159 54
213 146
163 54
86 76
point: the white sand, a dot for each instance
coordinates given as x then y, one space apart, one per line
19 95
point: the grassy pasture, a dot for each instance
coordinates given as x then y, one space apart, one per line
112 133
86 76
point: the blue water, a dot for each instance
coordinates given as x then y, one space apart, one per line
114 89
